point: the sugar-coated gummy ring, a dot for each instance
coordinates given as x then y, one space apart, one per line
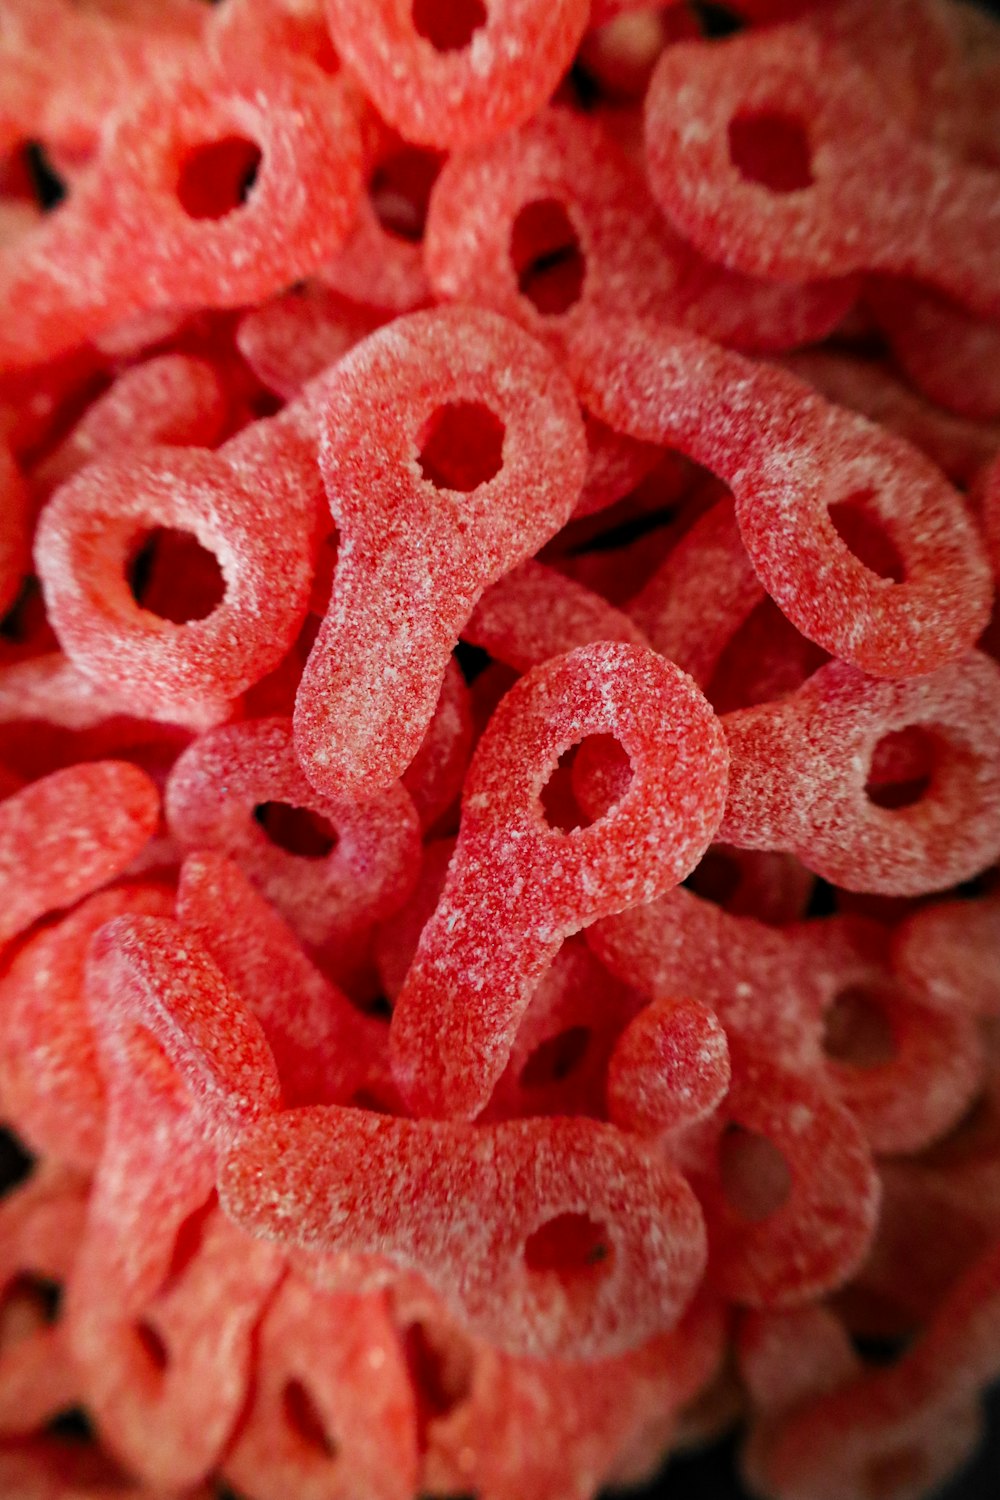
518 887
87 538
212 798
452 72
806 477
619 1263
810 796
452 448
818 1232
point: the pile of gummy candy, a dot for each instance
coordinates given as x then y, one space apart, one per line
499 745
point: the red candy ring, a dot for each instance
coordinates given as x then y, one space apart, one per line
806 475
517 887
447 76
422 535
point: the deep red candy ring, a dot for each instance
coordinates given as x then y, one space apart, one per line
445 76
811 483
800 767
15 531
452 448
518 887
773 153
548 1238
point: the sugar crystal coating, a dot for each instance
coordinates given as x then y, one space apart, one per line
517 888
416 550
436 436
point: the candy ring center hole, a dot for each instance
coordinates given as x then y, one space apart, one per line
29 1303
756 1179
449 25
297 830
857 523
461 446
587 782
304 1420
171 575
189 1240
572 1246
902 768
440 1369
44 183
717 877
889 1474
547 258
856 1030
555 1059
717 21
151 1343
218 177
771 148
400 190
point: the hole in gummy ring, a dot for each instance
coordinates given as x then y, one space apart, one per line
304 1420
400 190
217 178
612 774
152 1345
716 877
546 255
755 1177
461 446
29 1302
449 25
717 21
903 1470
856 1030
440 1367
773 149
859 528
571 1245
555 1059
297 830
902 768
171 575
